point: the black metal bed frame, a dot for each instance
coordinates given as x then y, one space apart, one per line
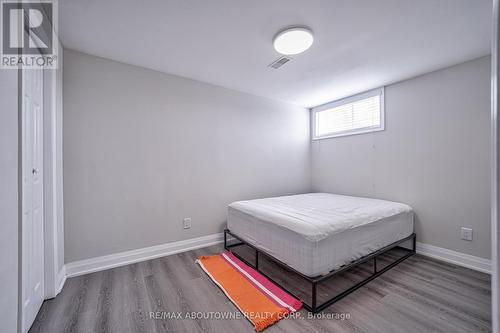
314 307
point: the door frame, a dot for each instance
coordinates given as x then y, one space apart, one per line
495 174
55 275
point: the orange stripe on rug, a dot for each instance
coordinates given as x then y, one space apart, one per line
258 304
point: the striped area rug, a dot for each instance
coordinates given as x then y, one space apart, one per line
260 301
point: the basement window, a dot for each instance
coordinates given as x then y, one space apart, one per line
362 113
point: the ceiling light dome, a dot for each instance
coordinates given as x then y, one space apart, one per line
293 40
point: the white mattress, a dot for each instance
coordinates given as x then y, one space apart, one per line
315 233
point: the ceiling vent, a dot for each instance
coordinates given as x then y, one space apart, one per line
279 62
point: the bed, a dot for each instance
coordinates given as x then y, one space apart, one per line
319 234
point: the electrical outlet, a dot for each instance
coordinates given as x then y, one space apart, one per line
466 234
186 223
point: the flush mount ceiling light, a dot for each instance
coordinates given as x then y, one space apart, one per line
293 40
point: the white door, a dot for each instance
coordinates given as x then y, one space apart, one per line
32 268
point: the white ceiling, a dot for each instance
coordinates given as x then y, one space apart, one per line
359 44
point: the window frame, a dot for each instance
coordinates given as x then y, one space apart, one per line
354 98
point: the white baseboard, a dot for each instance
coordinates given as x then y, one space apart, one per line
128 257
61 279
453 257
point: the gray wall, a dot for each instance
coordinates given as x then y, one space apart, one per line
8 200
433 155
142 150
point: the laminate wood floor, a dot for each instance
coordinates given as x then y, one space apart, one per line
419 295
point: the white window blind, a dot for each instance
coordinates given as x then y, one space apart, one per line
357 114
